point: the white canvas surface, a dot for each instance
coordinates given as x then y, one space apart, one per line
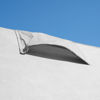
25 77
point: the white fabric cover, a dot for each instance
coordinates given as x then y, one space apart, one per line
25 77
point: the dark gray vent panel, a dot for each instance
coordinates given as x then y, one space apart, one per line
56 52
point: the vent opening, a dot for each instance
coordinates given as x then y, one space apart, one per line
56 52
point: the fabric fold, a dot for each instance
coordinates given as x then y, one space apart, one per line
43 45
